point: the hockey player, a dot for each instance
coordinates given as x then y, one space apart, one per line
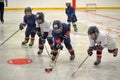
44 32
98 41
29 21
61 32
70 12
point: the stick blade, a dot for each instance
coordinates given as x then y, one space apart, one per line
73 74
52 65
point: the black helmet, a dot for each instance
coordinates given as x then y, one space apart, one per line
93 30
40 15
57 26
28 9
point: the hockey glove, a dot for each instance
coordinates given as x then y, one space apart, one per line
59 46
66 37
89 53
21 26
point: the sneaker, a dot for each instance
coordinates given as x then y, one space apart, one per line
25 42
98 61
72 57
40 51
31 43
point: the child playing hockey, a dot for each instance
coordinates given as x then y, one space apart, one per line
61 32
43 31
70 12
29 21
98 41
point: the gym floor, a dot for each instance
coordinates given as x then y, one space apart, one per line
109 69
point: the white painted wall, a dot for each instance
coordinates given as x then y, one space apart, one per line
36 3
59 3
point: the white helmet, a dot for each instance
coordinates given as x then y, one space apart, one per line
68 1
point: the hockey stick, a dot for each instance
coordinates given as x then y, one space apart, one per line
9 38
52 65
54 62
79 66
46 49
47 52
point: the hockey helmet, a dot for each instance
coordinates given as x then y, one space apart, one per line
28 9
93 30
40 16
57 26
68 1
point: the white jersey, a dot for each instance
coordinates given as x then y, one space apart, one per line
45 27
105 40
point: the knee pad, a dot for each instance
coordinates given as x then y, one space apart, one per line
99 52
67 41
27 33
33 34
41 46
71 51
50 40
100 48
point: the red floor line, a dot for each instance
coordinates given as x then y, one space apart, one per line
100 23
103 16
114 31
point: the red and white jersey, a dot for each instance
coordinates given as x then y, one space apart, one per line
45 27
104 39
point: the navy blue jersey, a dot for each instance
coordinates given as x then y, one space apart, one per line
70 12
58 37
30 21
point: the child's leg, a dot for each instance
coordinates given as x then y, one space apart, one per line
27 34
55 52
69 23
99 55
33 33
50 41
70 49
74 26
41 46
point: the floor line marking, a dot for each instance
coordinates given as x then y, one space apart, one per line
118 19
